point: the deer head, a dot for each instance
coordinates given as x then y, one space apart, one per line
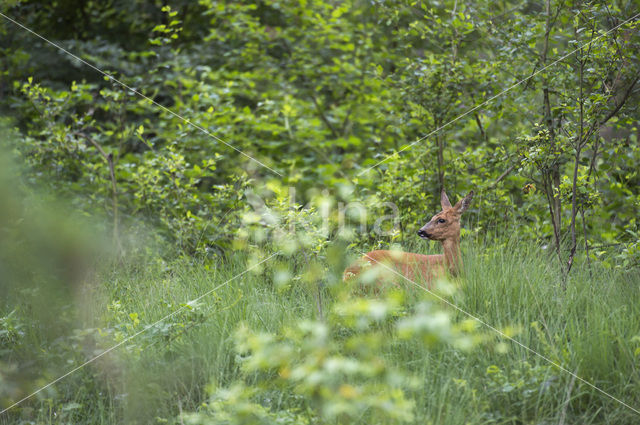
446 224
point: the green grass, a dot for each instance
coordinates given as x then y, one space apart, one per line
587 328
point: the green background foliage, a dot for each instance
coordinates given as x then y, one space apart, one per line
320 92
124 203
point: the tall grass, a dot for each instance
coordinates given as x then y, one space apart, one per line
587 328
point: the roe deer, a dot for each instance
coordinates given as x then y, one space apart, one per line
443 227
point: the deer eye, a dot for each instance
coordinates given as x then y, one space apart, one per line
442 220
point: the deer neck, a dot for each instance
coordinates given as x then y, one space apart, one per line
452 258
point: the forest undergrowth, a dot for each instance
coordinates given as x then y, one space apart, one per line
230 357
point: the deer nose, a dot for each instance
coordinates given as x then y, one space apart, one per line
423 234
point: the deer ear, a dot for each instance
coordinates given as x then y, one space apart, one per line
464 203
444 200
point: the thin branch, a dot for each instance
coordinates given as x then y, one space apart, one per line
586 241
504 174
592 165
478 121
323 117
574 186
597 125
108 157
621 103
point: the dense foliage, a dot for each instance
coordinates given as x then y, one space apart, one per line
204 136
318 92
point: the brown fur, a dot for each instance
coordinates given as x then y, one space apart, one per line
418 267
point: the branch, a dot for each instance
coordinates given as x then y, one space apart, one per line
323 117
621 103
478 121
114 188
482 133
503 175
597 125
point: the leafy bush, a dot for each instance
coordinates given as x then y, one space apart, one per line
335 371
